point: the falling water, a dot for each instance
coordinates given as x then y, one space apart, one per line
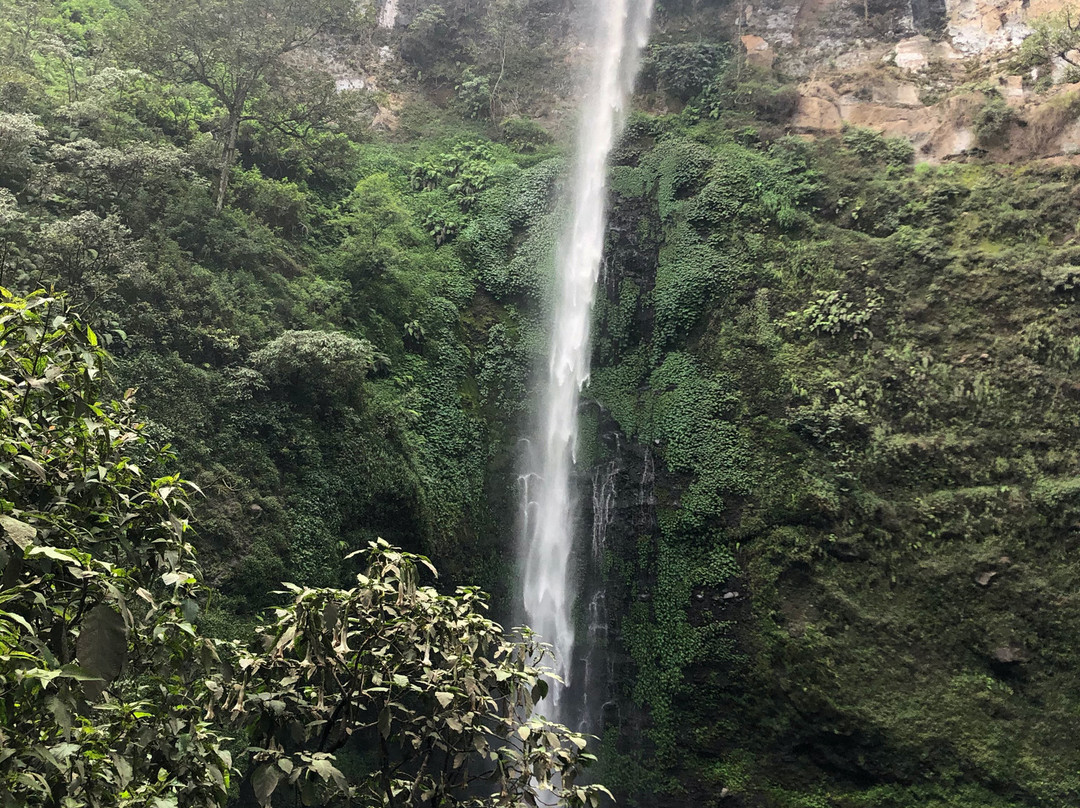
597 657
622 28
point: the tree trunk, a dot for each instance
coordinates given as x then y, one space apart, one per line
227 156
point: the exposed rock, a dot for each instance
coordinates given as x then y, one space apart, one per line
983 26
913 54
918 52
846 551
388 14
1011 654
758 52
386 119
1012 88
817 110
350 83
897 94
984 578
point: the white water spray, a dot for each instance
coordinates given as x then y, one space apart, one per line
622 28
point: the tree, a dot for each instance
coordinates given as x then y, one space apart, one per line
100 668
373 208
1054 36
438 691
111 698
236 49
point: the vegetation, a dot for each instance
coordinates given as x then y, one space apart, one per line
834 358
111 696
835 391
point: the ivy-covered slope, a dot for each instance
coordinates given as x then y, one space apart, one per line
858 382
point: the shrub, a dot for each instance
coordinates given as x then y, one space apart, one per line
683 69
992 121
873 147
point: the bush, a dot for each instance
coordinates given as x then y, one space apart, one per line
682 70
752 91
873 147
474 93
525 135
992 122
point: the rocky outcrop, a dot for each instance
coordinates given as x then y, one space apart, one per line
905 69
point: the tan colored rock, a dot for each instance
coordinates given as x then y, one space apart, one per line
758 52
913 54
1069 140
991 26
387 118
1012 89
818 115
894 93
818 109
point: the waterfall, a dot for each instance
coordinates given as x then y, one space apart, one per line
596 655
621 31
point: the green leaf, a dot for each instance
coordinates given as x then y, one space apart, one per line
264 780
102 645
19 532
384 722
444 698
53 553
78 674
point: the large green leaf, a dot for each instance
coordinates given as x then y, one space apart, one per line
102 646
264 780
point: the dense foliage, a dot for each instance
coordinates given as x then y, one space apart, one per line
112 697
835 393
855 381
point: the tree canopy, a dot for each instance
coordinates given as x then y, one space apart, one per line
236 49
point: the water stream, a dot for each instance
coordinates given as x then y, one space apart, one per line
621 30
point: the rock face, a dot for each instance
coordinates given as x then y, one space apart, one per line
758 51
904 69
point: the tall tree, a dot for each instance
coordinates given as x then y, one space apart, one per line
236 49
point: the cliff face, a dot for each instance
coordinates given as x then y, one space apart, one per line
837 409
921 70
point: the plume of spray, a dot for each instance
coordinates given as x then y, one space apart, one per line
621 30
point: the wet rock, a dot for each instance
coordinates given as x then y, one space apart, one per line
846 551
